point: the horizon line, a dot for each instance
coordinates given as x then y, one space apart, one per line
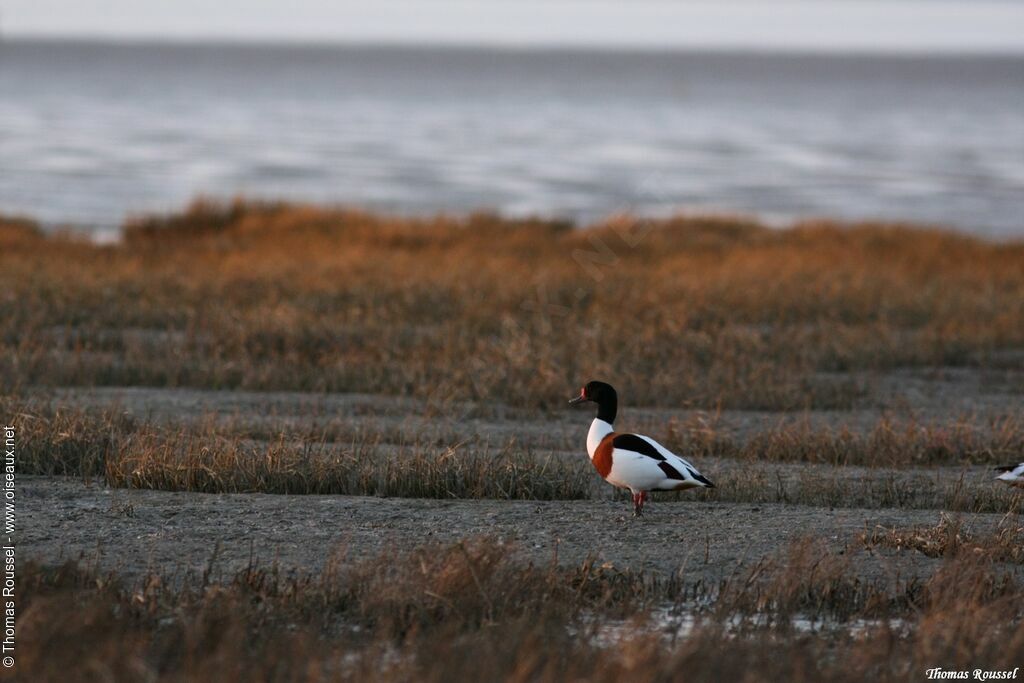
510 46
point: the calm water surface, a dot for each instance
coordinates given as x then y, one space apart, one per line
92 132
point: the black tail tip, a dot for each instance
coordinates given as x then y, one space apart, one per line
708 484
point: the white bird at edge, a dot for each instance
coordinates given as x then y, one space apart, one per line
632 461
1012 475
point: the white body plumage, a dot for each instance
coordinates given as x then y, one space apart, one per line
639 471
1012 475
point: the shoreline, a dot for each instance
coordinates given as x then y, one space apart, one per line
112 233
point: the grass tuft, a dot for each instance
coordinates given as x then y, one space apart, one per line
951 538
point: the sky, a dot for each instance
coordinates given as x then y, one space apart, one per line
857 25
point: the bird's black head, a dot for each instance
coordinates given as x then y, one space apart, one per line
604 396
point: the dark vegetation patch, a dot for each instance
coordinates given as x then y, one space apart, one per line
470 611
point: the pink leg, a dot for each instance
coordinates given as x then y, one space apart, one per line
638 503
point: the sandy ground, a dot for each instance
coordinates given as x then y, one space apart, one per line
132 531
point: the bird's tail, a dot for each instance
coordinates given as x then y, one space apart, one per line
704 481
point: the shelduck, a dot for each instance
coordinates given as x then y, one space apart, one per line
1012 475
631 461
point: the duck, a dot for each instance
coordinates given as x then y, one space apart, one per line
1012 475
632 461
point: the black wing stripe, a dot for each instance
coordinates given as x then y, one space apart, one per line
670 471
632 442
699 477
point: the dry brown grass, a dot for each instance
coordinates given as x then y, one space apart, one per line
951 538
216 456
706 312
888 443
471 612
129 454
